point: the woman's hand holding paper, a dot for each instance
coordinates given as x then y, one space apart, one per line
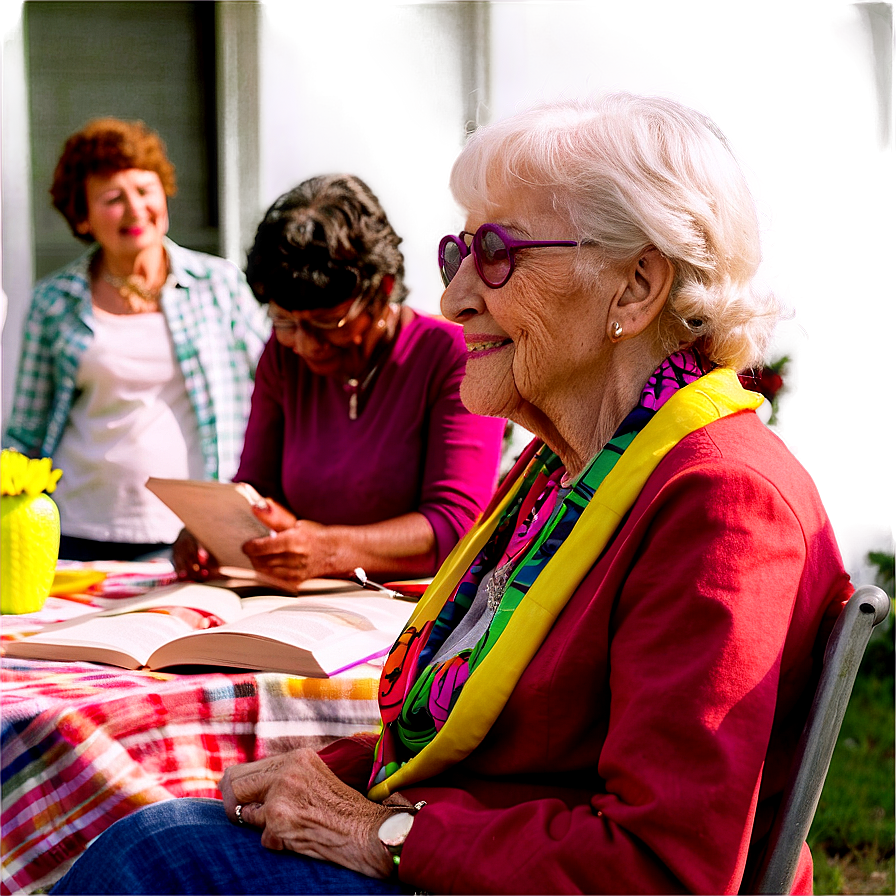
297 549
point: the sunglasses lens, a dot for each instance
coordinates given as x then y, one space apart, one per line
494 257
449 259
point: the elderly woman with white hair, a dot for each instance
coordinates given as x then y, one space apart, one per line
602 688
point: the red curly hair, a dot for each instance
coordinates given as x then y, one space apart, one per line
104 146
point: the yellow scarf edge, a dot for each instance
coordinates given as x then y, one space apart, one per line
715 395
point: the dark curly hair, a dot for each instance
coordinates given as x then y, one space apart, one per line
324 242
104 146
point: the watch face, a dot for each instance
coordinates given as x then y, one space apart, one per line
395 828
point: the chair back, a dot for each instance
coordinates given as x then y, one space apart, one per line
868 607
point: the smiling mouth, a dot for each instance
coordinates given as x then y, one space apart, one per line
478 349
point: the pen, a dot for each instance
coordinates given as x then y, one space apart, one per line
361 577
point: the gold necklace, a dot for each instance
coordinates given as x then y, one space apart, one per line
136 294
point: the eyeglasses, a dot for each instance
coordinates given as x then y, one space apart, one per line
493 251
287 326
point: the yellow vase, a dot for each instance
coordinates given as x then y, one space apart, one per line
29 549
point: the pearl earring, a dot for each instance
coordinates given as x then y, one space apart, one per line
616 331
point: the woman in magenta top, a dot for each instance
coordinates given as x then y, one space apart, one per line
357 437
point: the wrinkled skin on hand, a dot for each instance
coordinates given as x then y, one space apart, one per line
298 549
301 806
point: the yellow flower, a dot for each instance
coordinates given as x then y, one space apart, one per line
29 531
21 475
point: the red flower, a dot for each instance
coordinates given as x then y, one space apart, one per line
767 381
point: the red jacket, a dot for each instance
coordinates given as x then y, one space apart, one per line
646 745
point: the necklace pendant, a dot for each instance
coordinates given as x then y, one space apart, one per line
135 293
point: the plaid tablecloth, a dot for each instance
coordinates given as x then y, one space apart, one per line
84 745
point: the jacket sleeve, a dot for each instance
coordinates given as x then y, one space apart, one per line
717 594
351 759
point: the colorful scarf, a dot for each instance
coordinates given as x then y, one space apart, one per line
435 713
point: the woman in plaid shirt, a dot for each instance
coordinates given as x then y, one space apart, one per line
138 358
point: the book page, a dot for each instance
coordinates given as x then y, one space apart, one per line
251 580
335 614
304 622
302 625
308 636
206 598
125 641
128 632
218 514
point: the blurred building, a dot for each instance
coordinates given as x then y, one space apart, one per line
253 96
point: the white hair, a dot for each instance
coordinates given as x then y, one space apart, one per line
630 172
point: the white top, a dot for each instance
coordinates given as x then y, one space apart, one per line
131 420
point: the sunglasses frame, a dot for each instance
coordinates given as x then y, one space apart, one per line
512 245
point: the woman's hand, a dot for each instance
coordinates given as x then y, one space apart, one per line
192 561
298 549
401 547
275 516
301 806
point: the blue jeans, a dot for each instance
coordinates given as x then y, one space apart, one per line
189 846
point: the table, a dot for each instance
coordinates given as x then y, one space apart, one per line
85 744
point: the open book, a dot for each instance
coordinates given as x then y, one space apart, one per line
218 514
203 625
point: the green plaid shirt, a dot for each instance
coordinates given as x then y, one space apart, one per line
218 331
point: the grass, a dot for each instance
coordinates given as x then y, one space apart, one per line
852 835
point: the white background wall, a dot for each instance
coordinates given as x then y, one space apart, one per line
370 88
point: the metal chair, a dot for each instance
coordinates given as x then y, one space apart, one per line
868 607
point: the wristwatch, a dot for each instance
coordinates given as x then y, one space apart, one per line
394 830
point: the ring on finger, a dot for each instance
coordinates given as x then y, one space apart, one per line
238 812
